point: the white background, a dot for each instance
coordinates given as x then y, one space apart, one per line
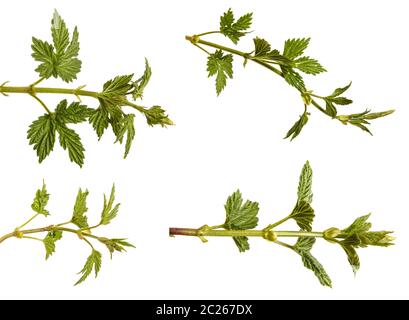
181 176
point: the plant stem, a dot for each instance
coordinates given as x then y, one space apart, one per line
209 232
28 221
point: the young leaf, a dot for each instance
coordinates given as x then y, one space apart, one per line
118 86
297 127
304 215
74 113
80 208
157 116
304 244
93 263
330 109
242 243
49 242
99 120
342 101
140 84
294 48
310 262
360 225
293 78
309 66
222 66
40 201
232 29
305 184
353 257
128 129
71 141
337 92
41 134
109 211
43 52
240 216
116 245
261 47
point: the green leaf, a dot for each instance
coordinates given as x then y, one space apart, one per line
80 208
294 48
341 101
110 211
60 34
117 245
74 113
232 29
330 109
58 60
261 47
99 120
118 86
337 92
157 116
353 257
71 141
304 215
360 225
305 184
49 242
297 127
309 66
310 262
222 66
240 216
43 52
128 128
293 78
40 201
93 262
242 243
304 244
140 84
41 134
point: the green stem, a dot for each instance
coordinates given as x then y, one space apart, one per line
206 33
33 90
28 221
41 102
272 226
209 232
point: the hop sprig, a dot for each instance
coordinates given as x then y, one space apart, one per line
79 219
59 59
242 219
291 63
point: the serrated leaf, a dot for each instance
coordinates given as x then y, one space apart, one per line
341 101
140 84
310 262
157 116
128 128
294 48
43 52
232 29
222 66
93 262
330 109
99 120
240 216
309 66
293 78
118 86
359 225
337 92
109 211
49 242
304 243
117 245
60 34
297 127
58 60
40 201
242 243
261 47
41 134
80 208
353 257
71 141
303 214
304 193
74 113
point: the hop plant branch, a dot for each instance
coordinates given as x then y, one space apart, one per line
288 64
241 221
79 220
60 60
